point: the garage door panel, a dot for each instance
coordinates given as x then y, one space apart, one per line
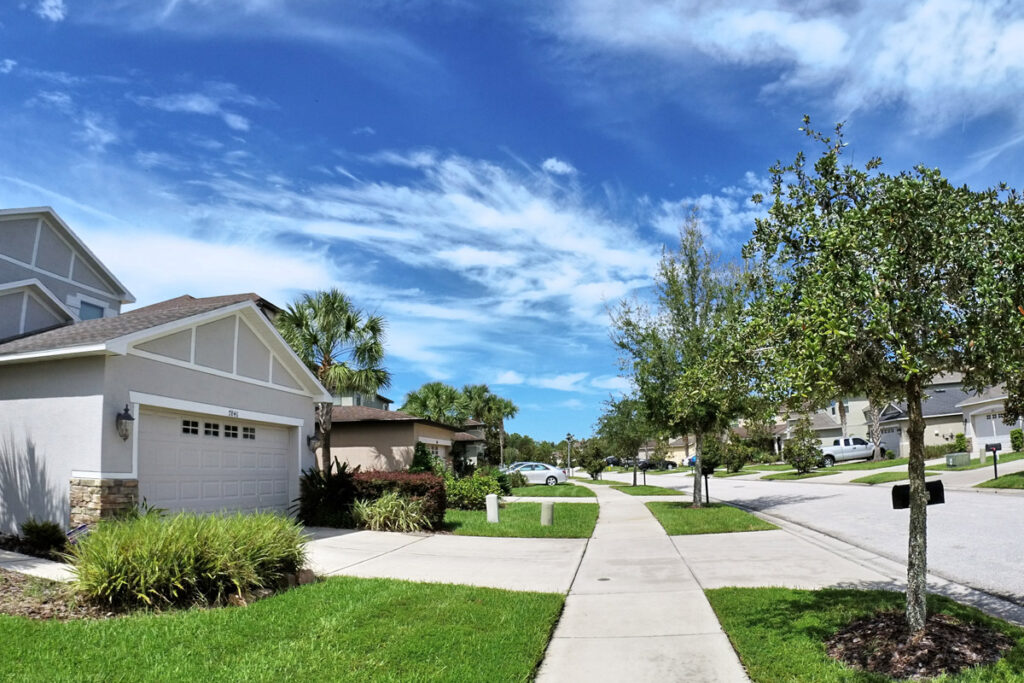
195 462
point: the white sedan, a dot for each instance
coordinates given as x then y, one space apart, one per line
542 473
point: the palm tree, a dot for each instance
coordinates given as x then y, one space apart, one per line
490 409
438 402
341 345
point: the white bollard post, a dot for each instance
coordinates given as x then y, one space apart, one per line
547 513
492 508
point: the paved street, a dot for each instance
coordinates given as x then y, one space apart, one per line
973 539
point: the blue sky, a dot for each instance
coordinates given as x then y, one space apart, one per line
489 175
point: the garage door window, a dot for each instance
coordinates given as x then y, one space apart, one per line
248 432
230 431
211 429
190 426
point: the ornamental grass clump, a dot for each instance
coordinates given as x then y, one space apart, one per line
185 559
390 512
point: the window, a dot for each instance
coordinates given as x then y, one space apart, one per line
248 432
230 431
434 449
88 311
189 426
857 441
211 429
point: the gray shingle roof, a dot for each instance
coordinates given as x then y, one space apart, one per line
940 400
100 330
368 414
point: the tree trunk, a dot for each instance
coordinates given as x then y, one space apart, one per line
842 416
697 474
323 420
876 429
917 550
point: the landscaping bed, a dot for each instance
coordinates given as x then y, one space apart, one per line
522 520
35 598
643 490
681 519
799 635
340 629
558 490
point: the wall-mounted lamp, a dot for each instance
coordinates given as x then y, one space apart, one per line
313 442
123 421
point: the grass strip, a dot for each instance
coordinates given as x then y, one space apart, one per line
642 490
870 465
599 482
522 520
1007 481
725 474
680 519
344 628
976 463
790 476
770 468
779 632
881 478
558 490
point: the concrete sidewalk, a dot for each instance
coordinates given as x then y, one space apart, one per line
635 611
34 566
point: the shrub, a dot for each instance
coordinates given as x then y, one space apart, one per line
939 450
421 459
516 479
470 493
592 457
429 489
960 443
185 559
43 537
501 477
735 456
326 499
803 451
710 456
390 512
1017 440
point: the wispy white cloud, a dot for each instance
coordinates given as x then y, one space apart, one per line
364 130
727 215
943 59
556 166
97 131
570 381
7 65
212 101
51 10
613 383
509 378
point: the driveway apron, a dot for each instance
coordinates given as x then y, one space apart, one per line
635 612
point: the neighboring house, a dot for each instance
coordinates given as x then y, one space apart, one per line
982 416
471 443
355 398
194 404
376 439
942 417
677 449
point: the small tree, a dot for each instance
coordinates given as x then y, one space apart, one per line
1017 440
591 457
422 459
623 427
803 450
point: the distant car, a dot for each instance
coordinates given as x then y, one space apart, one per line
512 467
542 473
645 465
612 461
692 462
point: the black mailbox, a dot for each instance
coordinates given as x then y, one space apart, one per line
993 447
901 494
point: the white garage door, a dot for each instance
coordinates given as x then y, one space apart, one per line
206 463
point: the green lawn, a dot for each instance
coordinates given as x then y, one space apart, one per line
723 474
870 465
779 632
341 629
522 520
1007 481
881 478
679 519
641 490
770 468
561 490
600 482
789 476
976 463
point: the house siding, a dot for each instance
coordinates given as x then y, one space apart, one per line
386 446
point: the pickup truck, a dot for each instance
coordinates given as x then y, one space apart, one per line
846 448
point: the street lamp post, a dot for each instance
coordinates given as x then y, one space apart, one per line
569 438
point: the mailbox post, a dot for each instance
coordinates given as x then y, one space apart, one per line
994 449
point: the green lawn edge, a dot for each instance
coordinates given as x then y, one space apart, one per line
680 519
976 463
870 465
344 628
1014 480
642 490
558 490
779 633
881 478
522 520
790 476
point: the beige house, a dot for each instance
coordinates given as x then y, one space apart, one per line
193 404
982 416
376 439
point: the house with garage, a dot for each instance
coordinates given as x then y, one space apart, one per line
984 423
190 404
384 440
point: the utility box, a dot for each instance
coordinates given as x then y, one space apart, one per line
958 459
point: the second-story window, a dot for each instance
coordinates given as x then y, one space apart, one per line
88 311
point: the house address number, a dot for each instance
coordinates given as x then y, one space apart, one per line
232 413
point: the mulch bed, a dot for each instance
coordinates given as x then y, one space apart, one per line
36 598
882 644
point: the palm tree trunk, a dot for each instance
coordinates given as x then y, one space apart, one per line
876 428
917 546
323 420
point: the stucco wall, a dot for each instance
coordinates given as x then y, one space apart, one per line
384 446
49 426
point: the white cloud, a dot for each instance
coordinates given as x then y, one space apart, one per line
614 383
7 66
945 60
570 381
726 216
556 166
571 404
97 132
210 102
509 377
364 130
52 10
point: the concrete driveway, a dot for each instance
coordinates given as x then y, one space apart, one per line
525 564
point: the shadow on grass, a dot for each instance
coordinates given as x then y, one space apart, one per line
1009 607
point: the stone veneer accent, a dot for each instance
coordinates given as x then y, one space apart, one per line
96 499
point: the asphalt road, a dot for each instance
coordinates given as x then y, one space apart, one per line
975 538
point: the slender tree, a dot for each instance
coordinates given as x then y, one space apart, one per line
341 345
876 283
624 428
